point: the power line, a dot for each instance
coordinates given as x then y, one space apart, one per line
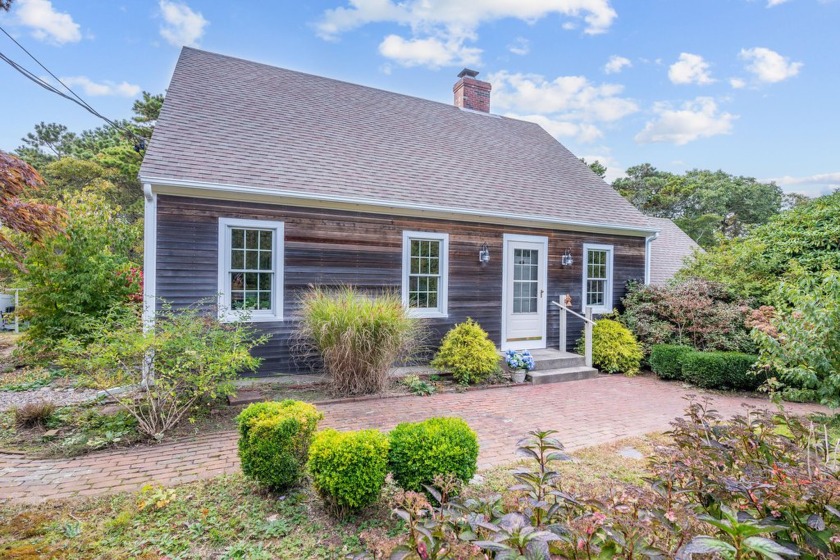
139 142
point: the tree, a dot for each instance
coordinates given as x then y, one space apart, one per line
597 167
31 219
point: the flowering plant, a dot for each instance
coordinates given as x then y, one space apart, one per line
519 360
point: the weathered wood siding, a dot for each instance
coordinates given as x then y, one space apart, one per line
331 247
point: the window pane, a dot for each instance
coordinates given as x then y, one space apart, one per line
265 260
265 240
265 300
265 281
250 281
237 281
251 239
237 259
251 260
236 238
237 300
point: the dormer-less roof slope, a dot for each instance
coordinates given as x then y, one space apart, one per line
234 123
669 250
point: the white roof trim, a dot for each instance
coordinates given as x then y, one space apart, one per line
160 184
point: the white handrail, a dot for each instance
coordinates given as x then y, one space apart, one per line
588 323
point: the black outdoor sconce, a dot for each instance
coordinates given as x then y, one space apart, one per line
484 254
567 259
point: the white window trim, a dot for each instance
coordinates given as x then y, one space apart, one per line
443 292
608 295
225 313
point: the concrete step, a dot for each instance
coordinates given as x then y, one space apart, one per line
538 377
546 359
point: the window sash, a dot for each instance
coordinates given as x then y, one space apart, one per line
425 273
597 283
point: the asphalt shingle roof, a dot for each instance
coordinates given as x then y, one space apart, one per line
228 121
668 251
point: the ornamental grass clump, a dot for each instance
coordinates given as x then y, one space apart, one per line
348 469
359 337
468 353
274 440
438 446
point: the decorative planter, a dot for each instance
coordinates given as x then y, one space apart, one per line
518 376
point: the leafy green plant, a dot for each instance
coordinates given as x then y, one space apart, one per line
799 340
468 353
417 385
359 337
348 468
159 375
274 440
437 446
666 360
28 379
740 538
542 449
718 370
614 348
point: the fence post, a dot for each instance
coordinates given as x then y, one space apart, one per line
562 329
588 341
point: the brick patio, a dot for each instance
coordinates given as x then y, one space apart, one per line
585 413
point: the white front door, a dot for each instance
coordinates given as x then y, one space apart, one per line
524 294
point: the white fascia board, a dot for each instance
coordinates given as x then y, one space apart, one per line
201 189
149 255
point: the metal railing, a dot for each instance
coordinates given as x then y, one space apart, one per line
587 330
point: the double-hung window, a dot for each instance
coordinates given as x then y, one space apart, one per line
250 269
597 277
425 273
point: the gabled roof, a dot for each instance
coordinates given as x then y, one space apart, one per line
669 250
234 123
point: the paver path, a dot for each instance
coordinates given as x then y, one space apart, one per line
585 413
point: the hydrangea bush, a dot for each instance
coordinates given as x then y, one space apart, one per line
517 360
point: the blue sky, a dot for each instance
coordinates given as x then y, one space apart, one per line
748 86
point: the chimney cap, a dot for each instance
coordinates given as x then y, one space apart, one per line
468 73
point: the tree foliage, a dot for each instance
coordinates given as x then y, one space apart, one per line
807 236
597 167
33 220
705 204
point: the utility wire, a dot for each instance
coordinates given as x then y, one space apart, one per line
140 142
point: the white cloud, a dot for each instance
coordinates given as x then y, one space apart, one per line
614 169
690 69
443 23
567 106
737 83
520 46
181 25
771 3
91 88
431 52
769 66
811 185
693 120
46 23
616 64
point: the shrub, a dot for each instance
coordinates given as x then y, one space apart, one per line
437 446
666 360
696 313
614 348
359 337
468 353
33 414
718 370
274 439
187 357
348 468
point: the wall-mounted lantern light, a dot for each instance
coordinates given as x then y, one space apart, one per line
484 254
567 259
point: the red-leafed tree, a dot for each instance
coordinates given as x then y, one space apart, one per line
18 180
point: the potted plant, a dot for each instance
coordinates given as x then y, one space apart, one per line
519 363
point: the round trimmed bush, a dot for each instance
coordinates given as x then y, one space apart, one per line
348 468
437 446
468 353
614 348
718 370
274 439
666 360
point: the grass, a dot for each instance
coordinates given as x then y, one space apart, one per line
230 517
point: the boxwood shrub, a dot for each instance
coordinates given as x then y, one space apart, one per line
666 360
614 348
468 353
437 446
274 439
348 469
718 370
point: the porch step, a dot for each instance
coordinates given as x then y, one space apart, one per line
575 373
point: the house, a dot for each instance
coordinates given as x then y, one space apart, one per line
668 251
261 181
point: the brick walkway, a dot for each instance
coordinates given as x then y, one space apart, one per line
586 413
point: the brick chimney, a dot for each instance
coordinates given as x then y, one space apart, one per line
471 93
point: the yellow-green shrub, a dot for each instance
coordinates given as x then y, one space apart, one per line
614 348
437 446
348 468
468 353
274 439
